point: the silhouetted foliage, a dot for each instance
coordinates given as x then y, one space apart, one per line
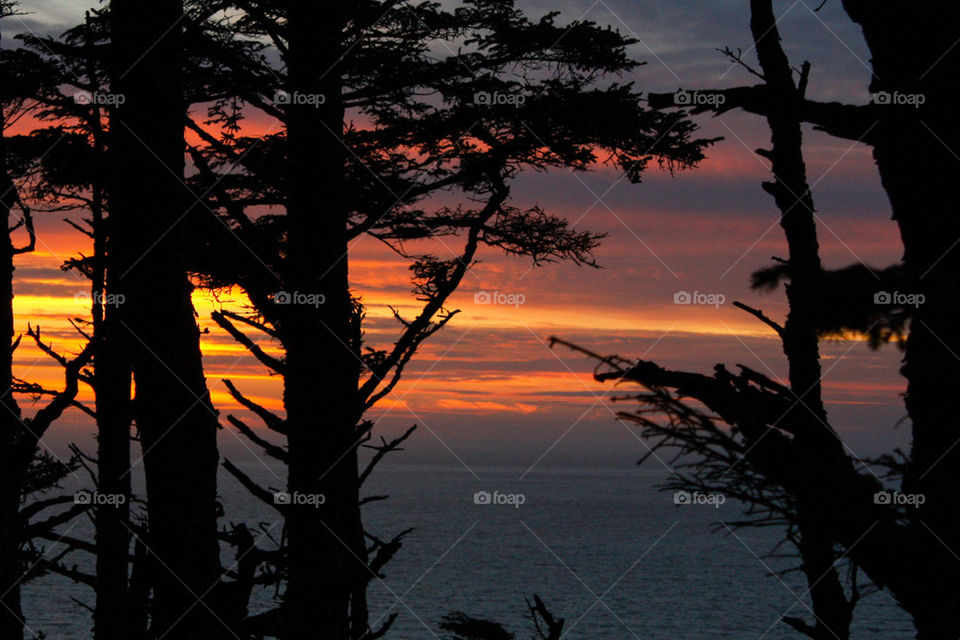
770 444
25 473
848 299
460 626
393 132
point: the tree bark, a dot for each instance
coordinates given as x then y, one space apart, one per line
11 432
111 385
913 52
112 391
325 544
172 408
799 335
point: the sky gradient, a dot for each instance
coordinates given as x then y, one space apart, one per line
488 389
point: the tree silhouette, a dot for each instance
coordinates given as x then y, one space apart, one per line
73 174
146 264
788 464
25 474
460 626
375 125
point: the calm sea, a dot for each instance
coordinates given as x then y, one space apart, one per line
605 550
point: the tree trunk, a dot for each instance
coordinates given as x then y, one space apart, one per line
11 434
913 52
325 544
799 334
112 390
112 377
172 409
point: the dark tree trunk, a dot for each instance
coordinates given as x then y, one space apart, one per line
172 409
139 592
913 52
795 202
112 390
112 378
914 56
11 434
833 611
322 359
799 334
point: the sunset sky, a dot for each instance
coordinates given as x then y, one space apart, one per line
487 389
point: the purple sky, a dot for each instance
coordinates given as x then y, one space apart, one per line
487 389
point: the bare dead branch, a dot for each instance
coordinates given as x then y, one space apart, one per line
382 450
272 420
258 492
272 450
760 316
272 363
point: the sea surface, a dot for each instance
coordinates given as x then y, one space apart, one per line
603 548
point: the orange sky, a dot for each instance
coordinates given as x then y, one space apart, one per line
491 365
488 379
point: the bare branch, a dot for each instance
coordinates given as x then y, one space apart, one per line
760 316
383 450
53 410
272 450
275 364
258 492
272 420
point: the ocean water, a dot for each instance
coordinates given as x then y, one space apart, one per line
603 548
